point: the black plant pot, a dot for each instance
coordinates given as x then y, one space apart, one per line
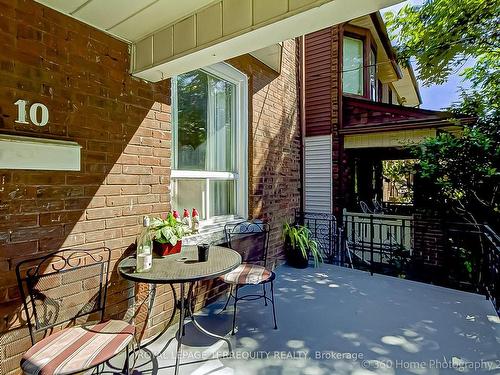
294 257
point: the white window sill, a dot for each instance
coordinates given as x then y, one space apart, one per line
212 233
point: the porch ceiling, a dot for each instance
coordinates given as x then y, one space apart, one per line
171 37
129 20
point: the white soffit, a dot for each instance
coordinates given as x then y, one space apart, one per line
128 20
171 37
406 90
397 138
270 56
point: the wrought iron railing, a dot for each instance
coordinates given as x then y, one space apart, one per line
379 243
492 267
326 233
385 244
473 260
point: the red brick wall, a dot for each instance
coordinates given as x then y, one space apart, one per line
274 141
123 126
429 238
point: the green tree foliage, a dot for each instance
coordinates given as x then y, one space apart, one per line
398 174
462 173
192 97
442 35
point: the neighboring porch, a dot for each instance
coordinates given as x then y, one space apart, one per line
347 322
378 139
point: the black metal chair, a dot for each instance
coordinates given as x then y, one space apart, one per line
251 240
64 298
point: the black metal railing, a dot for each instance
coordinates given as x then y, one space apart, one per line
473 259
492 267
379 243
326 232
385 244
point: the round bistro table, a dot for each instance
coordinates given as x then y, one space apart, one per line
183 268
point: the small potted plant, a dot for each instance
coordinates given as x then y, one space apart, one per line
167 234
299 245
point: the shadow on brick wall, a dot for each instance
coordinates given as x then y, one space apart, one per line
123 126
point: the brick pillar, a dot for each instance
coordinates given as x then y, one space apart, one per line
429 238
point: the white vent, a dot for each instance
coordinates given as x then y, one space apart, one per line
318 174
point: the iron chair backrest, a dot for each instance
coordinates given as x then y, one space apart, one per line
250 239
62 287
378 208
365 208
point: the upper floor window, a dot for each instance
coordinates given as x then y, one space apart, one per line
209 142
352 67
359 63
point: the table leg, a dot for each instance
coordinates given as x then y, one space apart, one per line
181 327
190 313
184 304
151 304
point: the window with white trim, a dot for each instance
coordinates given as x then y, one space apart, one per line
352 66
210 142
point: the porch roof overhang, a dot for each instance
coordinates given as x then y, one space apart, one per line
172 37
371 124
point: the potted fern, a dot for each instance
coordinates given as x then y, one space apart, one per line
167 235
299 245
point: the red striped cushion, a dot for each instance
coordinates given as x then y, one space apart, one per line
78 348
247 274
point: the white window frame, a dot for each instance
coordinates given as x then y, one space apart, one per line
350 70
240 80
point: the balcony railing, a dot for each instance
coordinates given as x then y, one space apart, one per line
326 232
474 258
385 244
378 243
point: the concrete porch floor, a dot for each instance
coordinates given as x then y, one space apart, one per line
334 320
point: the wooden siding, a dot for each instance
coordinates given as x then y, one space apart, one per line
362 112
318 82
364 116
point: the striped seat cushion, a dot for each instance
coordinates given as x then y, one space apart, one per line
247 274
77 348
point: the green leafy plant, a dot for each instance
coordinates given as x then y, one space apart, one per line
399 258
299 237
168 230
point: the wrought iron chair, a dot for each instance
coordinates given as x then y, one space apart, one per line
365 208
250 239
63 293
378 208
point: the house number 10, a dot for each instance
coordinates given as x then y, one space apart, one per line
39 113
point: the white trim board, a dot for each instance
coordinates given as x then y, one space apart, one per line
30 153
